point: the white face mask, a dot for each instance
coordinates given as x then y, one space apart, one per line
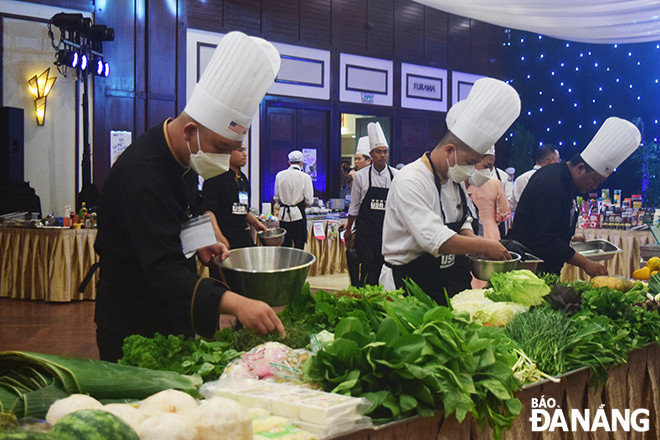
208 165
480 177
459 173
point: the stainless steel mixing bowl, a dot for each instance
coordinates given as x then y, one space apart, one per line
483 269
272 274
272 237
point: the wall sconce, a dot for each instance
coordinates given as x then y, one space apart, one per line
40 86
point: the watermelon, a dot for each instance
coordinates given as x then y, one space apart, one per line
25 435
92 424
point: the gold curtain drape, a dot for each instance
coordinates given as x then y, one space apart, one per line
330 252
635 385
46 264
623 263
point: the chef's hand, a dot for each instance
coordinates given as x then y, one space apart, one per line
580 238
517 247
262 227
494 250
256 315
207 254
594 269
348 239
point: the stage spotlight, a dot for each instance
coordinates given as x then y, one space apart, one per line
106 69
67 21
67 58
83 62
100 32
99 67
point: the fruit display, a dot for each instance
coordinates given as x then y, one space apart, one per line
652 267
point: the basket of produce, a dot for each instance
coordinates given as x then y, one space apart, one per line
268 273
483 268
272 237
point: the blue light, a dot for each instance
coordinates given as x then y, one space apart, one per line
561 83
629 54
540 92
540 109
595 122
656 121
568 45
562 64
600 89
540 37
639 63
610 105
570 90
553 74
529 113
541 56
575 104
529 76
631 86
561 143
589 52
574 143
547 129
522 58
616 45
577 68
522 40
608 69
552 99
639 98
580 126
595 64
593 100
617 80
558 122
581 54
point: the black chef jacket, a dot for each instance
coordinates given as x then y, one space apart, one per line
221 196
546 216
146 283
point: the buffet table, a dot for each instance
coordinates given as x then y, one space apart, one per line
330 251
623 263
635 385
46 264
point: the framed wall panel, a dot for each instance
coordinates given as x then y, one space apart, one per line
304 72
423 87
365 80
461 84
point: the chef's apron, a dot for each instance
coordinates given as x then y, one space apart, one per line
296 231
369 232
447 272
235 227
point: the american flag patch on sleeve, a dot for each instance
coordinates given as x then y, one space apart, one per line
237 128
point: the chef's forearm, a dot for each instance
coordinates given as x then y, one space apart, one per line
461 244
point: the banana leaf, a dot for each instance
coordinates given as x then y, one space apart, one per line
31 382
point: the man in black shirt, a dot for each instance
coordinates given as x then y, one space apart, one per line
147 284
227 197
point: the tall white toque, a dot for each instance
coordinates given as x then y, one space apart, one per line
376 136
233 84
613 143
363 146
489 110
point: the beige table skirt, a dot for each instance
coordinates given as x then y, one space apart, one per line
330 252
624 263
46 264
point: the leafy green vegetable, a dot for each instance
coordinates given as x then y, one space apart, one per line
420 358
519 286
190 356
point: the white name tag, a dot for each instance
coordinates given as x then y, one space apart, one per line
378 204
197 233
239 209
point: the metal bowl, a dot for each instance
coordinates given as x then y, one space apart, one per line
483 269
272 237
531 263
275 275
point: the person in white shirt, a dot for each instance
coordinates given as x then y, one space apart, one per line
428 229
294 192
543 155
367 208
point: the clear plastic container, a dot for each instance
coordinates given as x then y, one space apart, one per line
335 429
327 408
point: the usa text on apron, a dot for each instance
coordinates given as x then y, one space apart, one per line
369 231
447 271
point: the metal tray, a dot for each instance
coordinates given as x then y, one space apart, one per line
596 250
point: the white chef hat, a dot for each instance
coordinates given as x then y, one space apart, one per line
295 156
489 110
363 146
614 142
233 84
376 136
453 113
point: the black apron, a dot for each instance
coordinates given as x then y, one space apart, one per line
234 226
448 272
369 231
296 231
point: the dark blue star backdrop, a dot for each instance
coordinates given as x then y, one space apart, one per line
568 89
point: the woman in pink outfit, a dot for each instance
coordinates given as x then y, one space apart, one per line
493 206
